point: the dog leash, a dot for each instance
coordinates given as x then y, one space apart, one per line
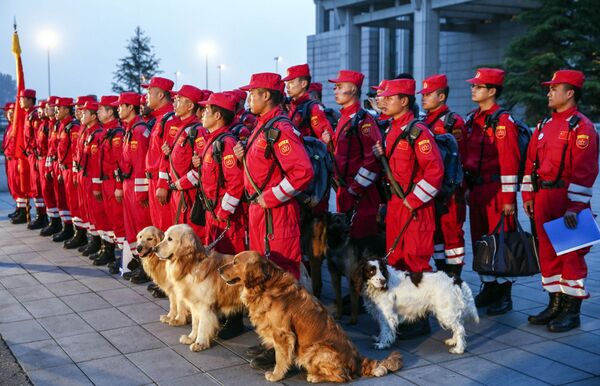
210 246
397 240
268 214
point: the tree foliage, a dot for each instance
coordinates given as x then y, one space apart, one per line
8 88
138 67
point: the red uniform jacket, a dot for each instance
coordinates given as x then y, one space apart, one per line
41 139
133 161
436 120
581 160
424 156
316 123
356 165
297 171
111 151
247 119
494 155
32 124
67 142
182 150
154 155
90 155
9 141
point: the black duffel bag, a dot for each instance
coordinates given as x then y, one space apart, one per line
506 253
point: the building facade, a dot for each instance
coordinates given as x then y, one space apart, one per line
382 38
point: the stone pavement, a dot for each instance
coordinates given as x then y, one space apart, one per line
70 323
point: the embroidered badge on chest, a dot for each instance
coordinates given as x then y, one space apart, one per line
173 131
563 135
402 145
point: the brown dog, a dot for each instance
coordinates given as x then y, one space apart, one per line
147 239
292 321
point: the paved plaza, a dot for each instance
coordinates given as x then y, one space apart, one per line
70 323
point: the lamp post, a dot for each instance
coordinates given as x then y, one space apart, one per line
177 73
206 49
48 40
277 59
220 67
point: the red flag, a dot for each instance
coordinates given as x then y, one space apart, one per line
19 115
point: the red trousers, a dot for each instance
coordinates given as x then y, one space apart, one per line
71 192
184 212
113 211
449 235
135 216
82 193
162 215
284 243
415 247
234 240
95 209
47 191
14 170
565 273
35 182
61 195
365 221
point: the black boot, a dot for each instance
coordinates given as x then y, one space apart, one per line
20 217
115 267
550 312
67 232
53 228
140 277
107 255
254 351
487 295
158 293
79 240
232 327
504 302
414 329
41 220
264 361
152 287
440 264
13 214
94 256
134 267
568 318
93 246
454 271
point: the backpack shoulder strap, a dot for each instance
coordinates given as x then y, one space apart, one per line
492 120
450 121
163 122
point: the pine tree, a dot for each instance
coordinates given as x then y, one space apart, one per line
8 88
562 34
138 67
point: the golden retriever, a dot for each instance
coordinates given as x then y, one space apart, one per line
196 282
292 321
147 239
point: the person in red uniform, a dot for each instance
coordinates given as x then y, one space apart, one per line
244 121
560 170
27 99
111 151
67 136
159 100
417 167
491 166
21 168
189 138
449 249
132 173
145 111
355 167
8 147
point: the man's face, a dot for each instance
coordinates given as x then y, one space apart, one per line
344 93
25 103
125 111
295 87
62 112
183 106
41 112
394 105
9 115
210 118
50 111
432 100
258 101
379 100
104 114
88 117
481 93
559 95
155 96
78 113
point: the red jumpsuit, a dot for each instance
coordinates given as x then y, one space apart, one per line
279 188
356 165
179 164
47 188
68 133
565 273
111 152
423 160
449 236
161 214
12 167
53 171
135 183
32 124
493 159
91 179
224 192
83 218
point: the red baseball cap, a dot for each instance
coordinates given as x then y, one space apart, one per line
224 100
315 87
493 76
381 86
108 100
240 95
27 93
128 98
191 92
65 102
297 71
399 86
347 76
433 83
42 104
268 80
90 105
52 100
80 100
572 77
206 94
162 83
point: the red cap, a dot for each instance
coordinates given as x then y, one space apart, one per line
27 93
206 94
493 76
381 86
52 100
399 86
162 83
9 106
240 95
225 100
65 102
42 104
90 105
192 93
433 83
315 87
144 99
80 100
268 80
572 77
108 100
347 76
296 72
128 98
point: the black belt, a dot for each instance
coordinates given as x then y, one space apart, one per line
126 176
552 185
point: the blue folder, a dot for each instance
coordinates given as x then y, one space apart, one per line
565 240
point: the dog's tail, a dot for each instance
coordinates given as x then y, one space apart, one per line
375 368
470 310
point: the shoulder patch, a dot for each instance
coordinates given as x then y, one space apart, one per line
285 147
133 145
173 131
500 132
314 120
229 161
200 142
365 129
425 146
458 134
94 149
582 141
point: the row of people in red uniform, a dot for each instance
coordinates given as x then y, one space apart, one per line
112 177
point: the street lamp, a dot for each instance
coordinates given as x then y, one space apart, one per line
220 67
277 59
206 49
177 73
48 40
